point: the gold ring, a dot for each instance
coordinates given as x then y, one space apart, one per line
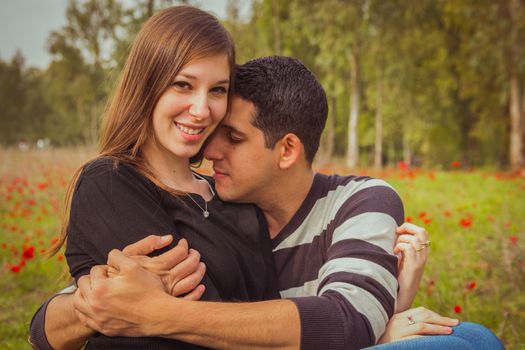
423 246
411 320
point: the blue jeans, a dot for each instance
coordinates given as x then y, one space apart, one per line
466 336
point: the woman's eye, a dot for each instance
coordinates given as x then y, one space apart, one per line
220 90
182 85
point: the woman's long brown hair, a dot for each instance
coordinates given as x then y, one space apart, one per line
167 41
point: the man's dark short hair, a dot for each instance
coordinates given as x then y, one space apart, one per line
287 98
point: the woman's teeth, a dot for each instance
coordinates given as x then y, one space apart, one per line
189 131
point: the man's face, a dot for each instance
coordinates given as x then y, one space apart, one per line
243 166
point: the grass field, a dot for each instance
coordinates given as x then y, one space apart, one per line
476 220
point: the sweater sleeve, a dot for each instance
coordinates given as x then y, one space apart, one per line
112 207
358 281
37 333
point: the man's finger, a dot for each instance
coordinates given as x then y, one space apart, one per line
80 303
120 261
98 274
147 245
86 321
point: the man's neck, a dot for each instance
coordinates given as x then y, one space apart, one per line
289 194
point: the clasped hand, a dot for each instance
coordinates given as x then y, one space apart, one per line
115 299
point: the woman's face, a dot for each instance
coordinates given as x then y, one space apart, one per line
190 109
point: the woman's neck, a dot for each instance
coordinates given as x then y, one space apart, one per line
171 170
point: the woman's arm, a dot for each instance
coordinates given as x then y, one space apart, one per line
412 247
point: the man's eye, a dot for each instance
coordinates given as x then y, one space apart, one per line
182 85
234 140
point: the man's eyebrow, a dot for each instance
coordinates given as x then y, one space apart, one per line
232 128
189 76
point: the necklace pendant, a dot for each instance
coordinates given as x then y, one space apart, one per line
206 214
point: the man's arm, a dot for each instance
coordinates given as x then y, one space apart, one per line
134 303
56 326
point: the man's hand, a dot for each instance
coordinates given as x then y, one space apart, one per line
416 322
118 305
179 268
412 247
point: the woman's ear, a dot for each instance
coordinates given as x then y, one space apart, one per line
290 150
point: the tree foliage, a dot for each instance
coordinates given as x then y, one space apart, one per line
427 82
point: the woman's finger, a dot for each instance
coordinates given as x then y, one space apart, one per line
422 328
172 257
186 267
411 229
416 243
147 245
189 283
196 294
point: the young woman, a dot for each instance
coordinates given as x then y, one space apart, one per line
172 94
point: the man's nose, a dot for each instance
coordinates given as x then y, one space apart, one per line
199 108
214 148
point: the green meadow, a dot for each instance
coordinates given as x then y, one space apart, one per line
475 271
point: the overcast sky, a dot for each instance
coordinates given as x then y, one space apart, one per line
25 24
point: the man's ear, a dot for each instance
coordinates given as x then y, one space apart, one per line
290 150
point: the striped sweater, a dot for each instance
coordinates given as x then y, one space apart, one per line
335 261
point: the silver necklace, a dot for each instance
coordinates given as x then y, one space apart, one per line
205 211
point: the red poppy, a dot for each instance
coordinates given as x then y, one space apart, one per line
427 221
42 185
29 253
466 221
422 215
471 285
60 257
455 164
402 165
408 219
15 268
514 239
457 309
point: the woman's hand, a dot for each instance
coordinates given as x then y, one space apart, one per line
179 268
412 246
416 322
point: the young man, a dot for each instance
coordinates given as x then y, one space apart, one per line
333 236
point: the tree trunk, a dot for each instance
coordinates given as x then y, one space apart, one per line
407 153
276 27
516 110
378 144
330 135
352 154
